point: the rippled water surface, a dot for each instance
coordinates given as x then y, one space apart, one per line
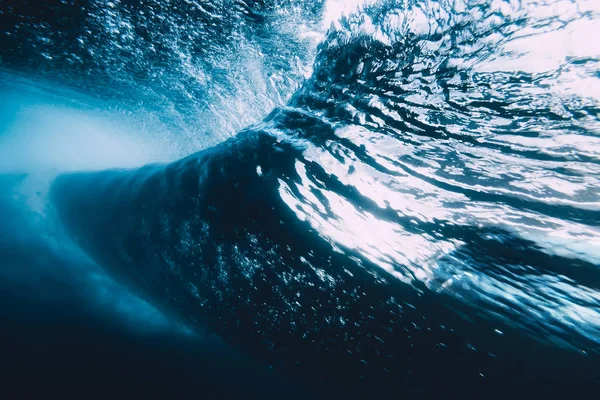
411 207
472 133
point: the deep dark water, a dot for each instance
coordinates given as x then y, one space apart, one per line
417 217
63 334
59 350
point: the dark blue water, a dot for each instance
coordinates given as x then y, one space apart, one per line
410 207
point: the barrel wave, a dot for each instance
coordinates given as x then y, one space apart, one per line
420 218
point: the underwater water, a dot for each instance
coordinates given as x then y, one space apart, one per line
300 199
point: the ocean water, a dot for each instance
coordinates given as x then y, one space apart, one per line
300 199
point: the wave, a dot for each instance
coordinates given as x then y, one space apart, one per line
427 201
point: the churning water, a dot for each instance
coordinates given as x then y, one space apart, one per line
382 198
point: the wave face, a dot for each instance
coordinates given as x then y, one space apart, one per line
421 218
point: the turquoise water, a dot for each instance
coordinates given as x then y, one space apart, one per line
385 198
